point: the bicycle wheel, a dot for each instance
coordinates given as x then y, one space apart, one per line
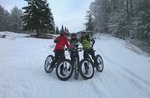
86 69
47 64
100 65
64 70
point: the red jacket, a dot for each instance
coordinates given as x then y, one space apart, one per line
61 42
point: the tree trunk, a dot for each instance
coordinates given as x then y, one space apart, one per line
131 7
127 9
37 33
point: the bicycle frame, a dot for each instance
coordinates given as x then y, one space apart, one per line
76 60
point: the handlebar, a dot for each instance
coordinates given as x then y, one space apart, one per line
79 49
73 49
66 49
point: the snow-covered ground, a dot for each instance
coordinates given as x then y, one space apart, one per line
126 73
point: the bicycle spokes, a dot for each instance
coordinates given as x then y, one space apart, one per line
87 68
65 69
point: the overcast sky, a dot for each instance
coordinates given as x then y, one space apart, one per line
70 13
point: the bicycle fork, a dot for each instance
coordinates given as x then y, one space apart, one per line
76 68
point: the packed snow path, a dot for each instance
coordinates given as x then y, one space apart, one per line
126 72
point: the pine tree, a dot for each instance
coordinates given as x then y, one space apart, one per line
67 30
57 30
38 17
62 29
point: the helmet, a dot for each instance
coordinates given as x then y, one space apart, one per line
73 35
83 33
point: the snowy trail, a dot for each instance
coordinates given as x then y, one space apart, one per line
22 74
127 71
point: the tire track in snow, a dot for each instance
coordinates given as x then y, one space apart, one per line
136 80
31 87
96 90
134 75
126 70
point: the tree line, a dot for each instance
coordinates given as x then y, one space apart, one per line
121 18
36 17
10 21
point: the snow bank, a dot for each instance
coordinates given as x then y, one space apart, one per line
12 35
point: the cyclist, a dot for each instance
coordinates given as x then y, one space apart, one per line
87 44
60 41
74 43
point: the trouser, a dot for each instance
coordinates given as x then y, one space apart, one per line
74 55
91 52
59 54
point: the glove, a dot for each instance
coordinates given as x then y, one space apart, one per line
66 49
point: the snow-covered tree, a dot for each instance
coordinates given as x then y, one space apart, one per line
90 25
38 17
122 18
15 19
113 16
100 9
118 25
142 19
4 16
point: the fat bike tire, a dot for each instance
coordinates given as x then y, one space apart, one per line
64 70
86 73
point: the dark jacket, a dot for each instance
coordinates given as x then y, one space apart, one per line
74 43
